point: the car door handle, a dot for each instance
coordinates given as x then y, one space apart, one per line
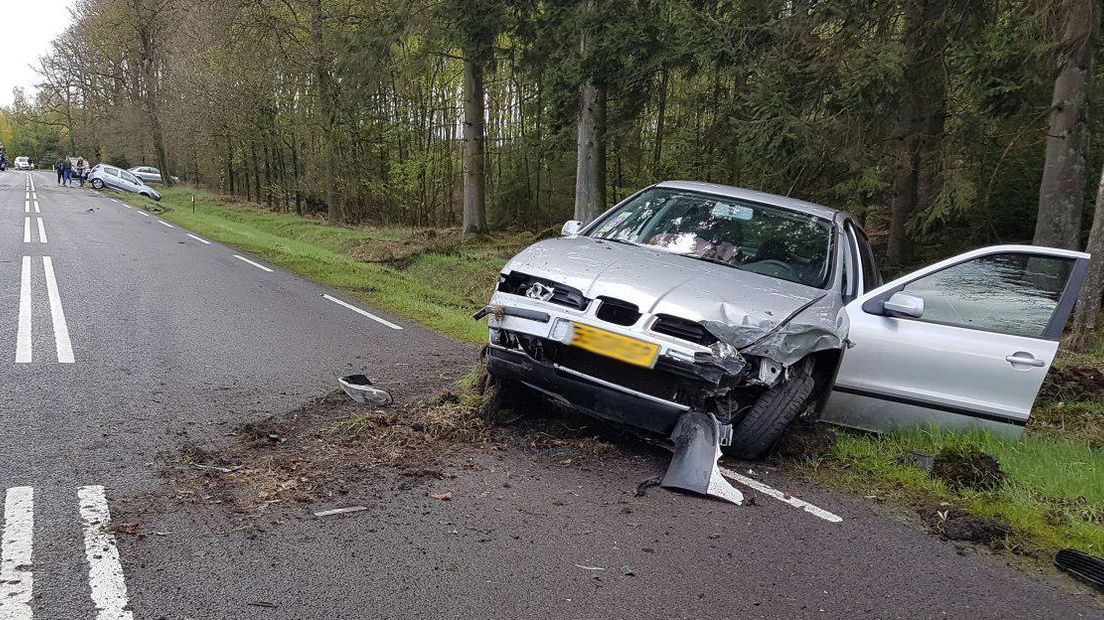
1025 359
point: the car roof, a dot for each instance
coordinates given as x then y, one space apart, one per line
751 195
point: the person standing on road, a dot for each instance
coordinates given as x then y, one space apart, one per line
67 168
81 165
59 167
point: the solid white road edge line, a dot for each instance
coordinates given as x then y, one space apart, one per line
199 239
23 337
363 312
105 573
27 229
780 496
57 314
257 265
164 223
16 576
41 232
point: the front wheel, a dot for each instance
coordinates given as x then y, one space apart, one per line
772 413
97 184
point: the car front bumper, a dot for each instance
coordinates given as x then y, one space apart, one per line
594 396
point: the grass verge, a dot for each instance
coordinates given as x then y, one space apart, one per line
435 277
1053 493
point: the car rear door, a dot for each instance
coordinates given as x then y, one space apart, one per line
977 353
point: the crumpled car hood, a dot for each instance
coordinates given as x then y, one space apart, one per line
738 307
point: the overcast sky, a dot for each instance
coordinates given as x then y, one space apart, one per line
26 29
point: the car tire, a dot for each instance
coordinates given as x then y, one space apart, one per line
97 184
770 416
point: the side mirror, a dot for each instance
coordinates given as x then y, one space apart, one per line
571 228
904 304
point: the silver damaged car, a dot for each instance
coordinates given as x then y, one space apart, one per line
717 316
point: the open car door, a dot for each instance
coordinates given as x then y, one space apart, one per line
966 342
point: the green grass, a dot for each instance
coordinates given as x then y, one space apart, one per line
435 278
1053 496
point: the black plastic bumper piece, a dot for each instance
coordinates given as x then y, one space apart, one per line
589 397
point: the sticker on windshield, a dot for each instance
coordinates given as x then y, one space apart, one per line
732 212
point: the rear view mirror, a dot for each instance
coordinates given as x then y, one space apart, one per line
571 228
904 304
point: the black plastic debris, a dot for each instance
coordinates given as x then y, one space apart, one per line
1083 566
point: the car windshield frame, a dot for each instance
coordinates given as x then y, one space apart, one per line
827 275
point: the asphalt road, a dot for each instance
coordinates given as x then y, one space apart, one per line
164 335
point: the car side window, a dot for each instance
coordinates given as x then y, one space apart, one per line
1010 293
111 172
129 177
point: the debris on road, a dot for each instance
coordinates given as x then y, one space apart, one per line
1088 568
697 439
627 571
360 389
594 568
444 497
225 470
265 604
958 524
340 511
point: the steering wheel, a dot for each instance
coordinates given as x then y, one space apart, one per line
774 263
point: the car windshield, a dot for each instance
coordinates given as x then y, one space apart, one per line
768 240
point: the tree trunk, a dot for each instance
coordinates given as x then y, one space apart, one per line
661 113
919 125
590 172
1062 191
1088 304
475 210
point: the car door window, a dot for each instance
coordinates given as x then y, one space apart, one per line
1011 293
872 279
130 178
111 172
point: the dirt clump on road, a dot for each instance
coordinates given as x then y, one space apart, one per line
968 468
958 524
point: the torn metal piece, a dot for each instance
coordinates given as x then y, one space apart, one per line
697 438
360 389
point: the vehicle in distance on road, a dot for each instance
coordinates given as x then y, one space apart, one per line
102 176
760 309
22 163
149 174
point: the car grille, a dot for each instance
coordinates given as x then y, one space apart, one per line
683 329
516 283
652 382
618 312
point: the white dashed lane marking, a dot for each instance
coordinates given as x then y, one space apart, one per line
199 239
780 496
105 572
257 265
362 312
16 576
164 223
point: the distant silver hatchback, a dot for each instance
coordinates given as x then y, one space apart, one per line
102 176
758 309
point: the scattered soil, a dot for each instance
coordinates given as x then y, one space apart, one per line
967 469
1073 383
958 524
806 440
332 446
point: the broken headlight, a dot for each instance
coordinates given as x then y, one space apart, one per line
523 284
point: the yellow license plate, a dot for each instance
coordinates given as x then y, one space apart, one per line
602 342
